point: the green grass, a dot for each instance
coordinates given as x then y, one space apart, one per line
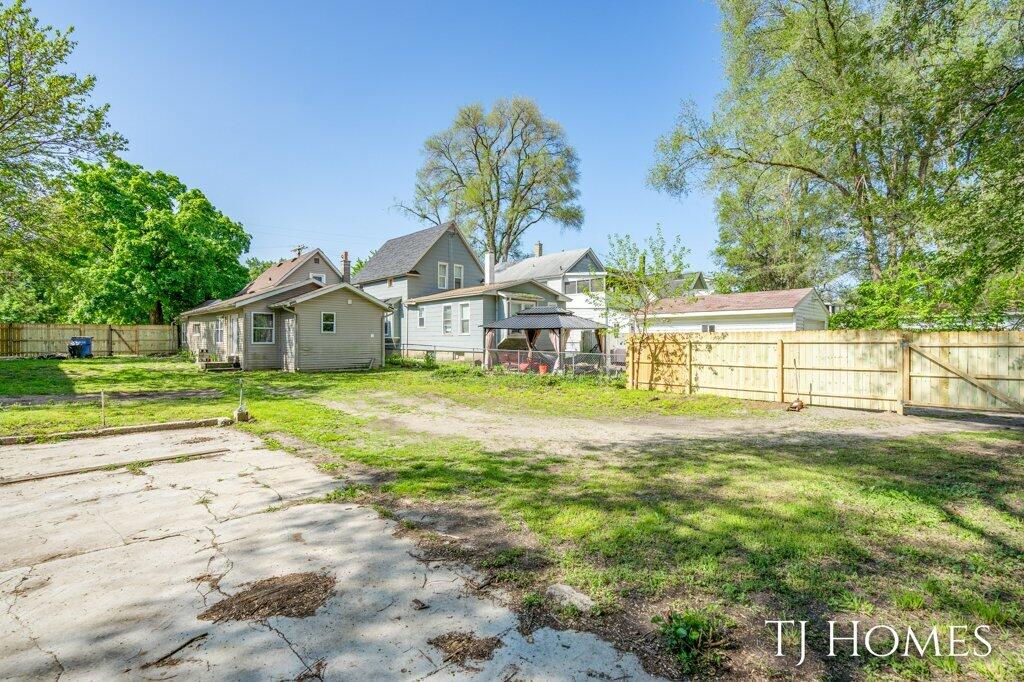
914 531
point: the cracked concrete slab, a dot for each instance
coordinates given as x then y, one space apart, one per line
105 574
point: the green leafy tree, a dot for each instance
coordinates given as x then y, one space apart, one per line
498 173
46 121
360 263
152 247
639 275
879 109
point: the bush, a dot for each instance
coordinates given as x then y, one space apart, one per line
694 636
430 360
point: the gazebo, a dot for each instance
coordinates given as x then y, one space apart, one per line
557 322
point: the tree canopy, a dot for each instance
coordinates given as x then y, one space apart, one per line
498 173
150 248
871 131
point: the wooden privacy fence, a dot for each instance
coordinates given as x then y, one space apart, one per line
30 340
874 370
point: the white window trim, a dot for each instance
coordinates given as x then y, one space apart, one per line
441 285
708 327
468 320
273 329
421 319
458 272
197 328
218 330
334 322
451 320
322 277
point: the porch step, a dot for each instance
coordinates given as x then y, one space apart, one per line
219 366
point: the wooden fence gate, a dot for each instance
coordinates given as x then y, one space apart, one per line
876 370
31 340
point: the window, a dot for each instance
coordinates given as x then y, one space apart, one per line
457 276
218 330
195 328
463 318
319 277
422 319
391 281
442 275
317 260
446 320
326 323
584 286
263 327
707 327
387 327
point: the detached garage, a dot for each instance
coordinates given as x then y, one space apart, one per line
782 310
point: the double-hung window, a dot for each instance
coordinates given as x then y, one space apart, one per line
196 328
218 330
446 319
263 328
421 319
327 323
457 271
463 318
442 275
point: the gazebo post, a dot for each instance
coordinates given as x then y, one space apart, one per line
488 345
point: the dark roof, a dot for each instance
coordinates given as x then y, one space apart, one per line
482 289
542 317
400 255
548 266
751 300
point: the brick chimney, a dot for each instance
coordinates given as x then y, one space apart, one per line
538 249
489 267
346 268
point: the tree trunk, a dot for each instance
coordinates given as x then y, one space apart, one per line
156 315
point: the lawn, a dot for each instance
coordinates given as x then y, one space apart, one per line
919 531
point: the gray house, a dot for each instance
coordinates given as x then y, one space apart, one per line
299 315
440 292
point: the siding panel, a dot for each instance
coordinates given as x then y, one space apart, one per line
355 342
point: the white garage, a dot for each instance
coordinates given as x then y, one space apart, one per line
782 310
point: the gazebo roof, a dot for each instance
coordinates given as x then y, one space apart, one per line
544 317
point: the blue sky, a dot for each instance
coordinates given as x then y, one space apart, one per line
304 121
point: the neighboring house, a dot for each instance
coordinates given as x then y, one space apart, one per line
440 292
575 274
300 314
783 310
690 284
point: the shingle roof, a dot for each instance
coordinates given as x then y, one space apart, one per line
399 256
223 304
543 267
479 290
753 300
276 273
340 286
527 320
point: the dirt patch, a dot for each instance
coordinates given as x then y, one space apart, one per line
460 647
296 595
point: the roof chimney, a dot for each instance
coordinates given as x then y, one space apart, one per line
489 267
346 268
538 249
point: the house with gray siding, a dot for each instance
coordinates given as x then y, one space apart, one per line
440 292
301 314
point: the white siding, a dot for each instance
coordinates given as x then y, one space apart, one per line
811 313
749 322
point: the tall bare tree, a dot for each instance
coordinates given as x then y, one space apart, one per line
498 173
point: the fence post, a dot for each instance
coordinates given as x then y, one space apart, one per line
904 374
781 371
689 366
110 341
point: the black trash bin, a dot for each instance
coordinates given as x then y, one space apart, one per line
80 347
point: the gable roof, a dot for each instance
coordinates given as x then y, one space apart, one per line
246 298
544 317
400 255
782 299
340 286
483 290
279 271
547 266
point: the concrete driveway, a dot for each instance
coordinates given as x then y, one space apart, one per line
156 574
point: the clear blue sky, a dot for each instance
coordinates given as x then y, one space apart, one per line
304 121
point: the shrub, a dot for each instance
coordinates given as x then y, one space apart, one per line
430 360
694 636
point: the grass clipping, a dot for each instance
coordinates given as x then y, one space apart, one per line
296 595
462 646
